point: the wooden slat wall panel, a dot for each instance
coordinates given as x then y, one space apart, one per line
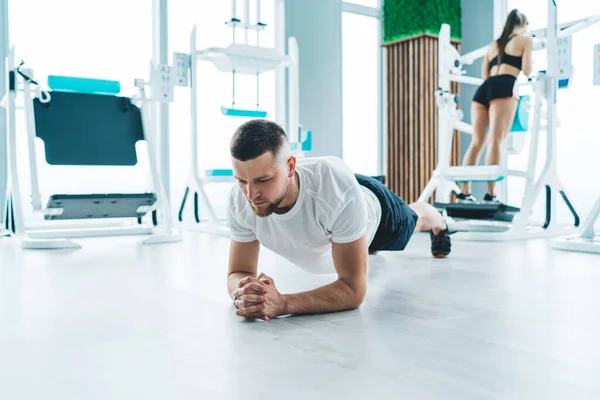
435 120
410 85
400 111
421 117
390 153
397 100
412 116
392 108
428 111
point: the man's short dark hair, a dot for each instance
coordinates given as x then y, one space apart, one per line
255 138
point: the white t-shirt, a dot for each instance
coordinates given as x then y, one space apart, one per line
331 207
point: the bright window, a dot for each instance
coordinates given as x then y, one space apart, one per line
360 55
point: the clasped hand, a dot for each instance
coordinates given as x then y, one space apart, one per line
258 298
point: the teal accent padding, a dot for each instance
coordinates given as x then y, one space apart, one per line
88 129
83 85
219 172
521 122
307 143
233 112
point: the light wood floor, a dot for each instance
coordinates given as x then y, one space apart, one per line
116 320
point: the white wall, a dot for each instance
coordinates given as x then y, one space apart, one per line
316 24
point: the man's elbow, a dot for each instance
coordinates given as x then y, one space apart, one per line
357 293
358 298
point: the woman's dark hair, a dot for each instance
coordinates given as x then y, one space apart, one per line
255 138
515 18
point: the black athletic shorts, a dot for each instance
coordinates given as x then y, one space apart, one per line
496 87
398 220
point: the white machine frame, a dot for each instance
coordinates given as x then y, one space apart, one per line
57 234
449 118
3 134
3 197
3 187
585 240
242 58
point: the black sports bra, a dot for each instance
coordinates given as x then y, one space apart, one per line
509 59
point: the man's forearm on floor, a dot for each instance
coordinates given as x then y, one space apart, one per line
336 296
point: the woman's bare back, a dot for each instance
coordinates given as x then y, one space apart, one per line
515 47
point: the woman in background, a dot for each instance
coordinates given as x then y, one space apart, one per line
495 103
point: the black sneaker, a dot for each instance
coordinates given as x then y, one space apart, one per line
440 243
488 198
466 198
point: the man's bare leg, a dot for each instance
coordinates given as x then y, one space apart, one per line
429 218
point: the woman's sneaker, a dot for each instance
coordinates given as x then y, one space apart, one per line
488 198
466 198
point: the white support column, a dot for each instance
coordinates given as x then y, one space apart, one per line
380 93
280 92
294 94
233 9
160 55
196 180
19 219
36 197
551 92
500 14
4 43
257 11
194 102
168 234
246 20
444 127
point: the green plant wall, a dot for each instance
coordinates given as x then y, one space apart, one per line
406 18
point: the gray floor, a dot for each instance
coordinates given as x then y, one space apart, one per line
119 321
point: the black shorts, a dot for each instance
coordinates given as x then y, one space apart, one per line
398 220
496 87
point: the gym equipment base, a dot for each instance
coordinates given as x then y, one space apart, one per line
577 243
495 231
479 211
479 221
48 239
89 206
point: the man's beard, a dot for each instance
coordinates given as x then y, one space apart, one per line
267 208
